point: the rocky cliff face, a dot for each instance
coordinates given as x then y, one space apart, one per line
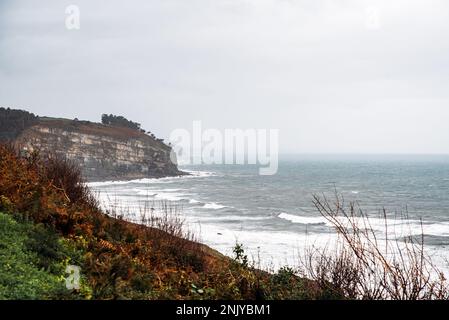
103 152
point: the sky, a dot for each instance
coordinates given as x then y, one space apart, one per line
347 76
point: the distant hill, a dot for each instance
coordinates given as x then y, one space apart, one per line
103 151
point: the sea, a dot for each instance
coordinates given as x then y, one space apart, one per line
274 217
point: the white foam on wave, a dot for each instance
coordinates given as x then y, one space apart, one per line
213 205
242 218
302 219
434 229
192 174
146 191
199 173
370 222
106 183
171 196
280 248
395 227
277 248
136 194
166 190
125 182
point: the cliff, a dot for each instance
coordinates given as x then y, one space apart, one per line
103 152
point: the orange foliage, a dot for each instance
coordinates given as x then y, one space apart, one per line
123 260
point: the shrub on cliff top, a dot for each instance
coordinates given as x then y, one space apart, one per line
120 121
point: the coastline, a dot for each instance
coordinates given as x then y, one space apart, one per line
129 178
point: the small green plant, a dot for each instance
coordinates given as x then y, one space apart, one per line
284 276
239 255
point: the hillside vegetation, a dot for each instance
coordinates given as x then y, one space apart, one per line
50 220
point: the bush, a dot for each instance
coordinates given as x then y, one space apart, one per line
361 266
119 121
66 176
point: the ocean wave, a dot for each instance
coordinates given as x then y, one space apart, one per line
395 227
432 229
146 193
125 182
302 219
370 222
167 190
241 218
199 173
106 183
170 196
192 174
214 205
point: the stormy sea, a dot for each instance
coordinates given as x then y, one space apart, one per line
274 216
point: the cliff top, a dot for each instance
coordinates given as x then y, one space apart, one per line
95 128
13 122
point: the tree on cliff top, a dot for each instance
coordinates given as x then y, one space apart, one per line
119 121
13 122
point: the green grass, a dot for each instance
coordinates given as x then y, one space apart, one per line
32 261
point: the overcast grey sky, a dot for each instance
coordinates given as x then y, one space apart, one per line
334 76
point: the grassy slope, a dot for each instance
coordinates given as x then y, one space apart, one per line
20 277
32 261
